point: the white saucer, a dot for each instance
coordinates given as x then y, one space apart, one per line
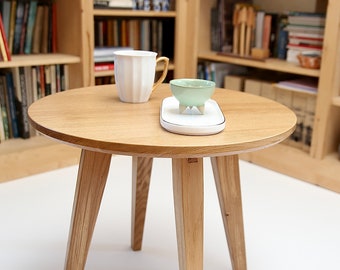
191 121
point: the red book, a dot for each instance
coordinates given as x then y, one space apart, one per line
103 66
6 53
54 28
266 31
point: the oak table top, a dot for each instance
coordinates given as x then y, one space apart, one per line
95 119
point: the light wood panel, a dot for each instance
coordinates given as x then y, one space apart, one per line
106 123
270 64
20 158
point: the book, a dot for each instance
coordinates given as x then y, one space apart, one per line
11 100
30 26
2 130
47 76
23 28
103 66
6 16
304 46
4 116
268 90
64 77
266 31
53 79
124 4
45 29
282 38
303 84
259 24
6 55
37 30
234 82
34 83
54 38
305 41
19 19
299 108
42 80
305 29
252 86
12 25
306 18
22 106
106 53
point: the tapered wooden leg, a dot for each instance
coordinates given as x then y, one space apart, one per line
141 174
92 176
187 176
227 179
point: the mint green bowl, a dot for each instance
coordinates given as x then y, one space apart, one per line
192 92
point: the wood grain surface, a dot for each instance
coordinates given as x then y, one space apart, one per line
93 118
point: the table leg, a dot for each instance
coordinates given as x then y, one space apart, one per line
227 179
187 176
92 176
141 174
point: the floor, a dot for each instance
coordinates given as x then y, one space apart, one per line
289 224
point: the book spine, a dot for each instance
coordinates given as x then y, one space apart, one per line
19 17
3 39
6 13
12 25
47 75
259 28
4 115
11 103
30 26
266 31
24 126
23 28
103 67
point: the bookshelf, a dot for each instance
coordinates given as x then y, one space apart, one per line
129 15
321 165
23 157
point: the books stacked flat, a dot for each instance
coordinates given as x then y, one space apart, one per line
121 4
156 5
104 58
305 34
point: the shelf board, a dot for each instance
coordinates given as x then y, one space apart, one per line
296 163
40 59
133 13
20 158
110 72
270 64
336 101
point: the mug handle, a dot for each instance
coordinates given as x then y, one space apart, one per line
165 71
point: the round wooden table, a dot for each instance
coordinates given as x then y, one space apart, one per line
95 120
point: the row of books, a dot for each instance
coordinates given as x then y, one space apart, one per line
297 94
140 34
278 33
156 5
29 26
20 87
305 34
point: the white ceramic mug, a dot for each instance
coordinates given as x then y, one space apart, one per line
135 74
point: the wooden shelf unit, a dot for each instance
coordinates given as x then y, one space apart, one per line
192 43
322 162
117 13
19 157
